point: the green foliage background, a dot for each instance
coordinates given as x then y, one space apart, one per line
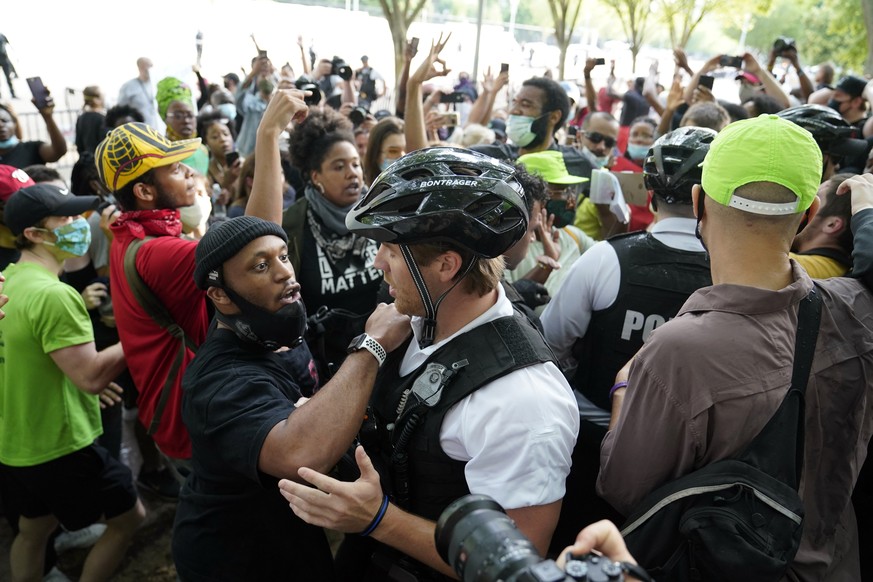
825 30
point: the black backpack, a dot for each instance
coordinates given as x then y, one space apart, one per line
737 519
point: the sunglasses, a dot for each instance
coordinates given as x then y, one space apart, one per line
596 137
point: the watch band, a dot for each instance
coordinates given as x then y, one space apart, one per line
374 348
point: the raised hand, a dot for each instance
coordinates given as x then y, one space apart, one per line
428 68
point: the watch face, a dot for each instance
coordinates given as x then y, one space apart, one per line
356 343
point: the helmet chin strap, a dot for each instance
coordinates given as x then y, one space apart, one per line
428 331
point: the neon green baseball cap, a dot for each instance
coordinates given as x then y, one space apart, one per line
549 165
763 149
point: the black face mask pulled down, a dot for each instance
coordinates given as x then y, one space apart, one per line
283 328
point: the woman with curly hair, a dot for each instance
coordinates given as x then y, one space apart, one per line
333 266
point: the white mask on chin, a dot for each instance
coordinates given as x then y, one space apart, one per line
197 214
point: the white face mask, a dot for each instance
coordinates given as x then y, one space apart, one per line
197 214
518 129
599 161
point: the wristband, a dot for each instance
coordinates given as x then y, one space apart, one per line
365 342
376 520
617 386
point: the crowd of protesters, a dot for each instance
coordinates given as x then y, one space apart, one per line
229 260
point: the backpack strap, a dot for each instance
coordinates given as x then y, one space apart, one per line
784 432
158 312
575 238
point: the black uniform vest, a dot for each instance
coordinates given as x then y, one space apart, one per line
655 282
415 471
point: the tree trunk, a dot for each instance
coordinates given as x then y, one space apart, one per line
398 37
867 6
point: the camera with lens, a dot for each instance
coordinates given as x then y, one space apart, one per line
305 83
339 67
782 44
481 543
358 115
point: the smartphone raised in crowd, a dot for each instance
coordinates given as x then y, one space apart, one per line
39 92
729 61
231 157
706 81
450 118
504 67
454 97
414 43
600 61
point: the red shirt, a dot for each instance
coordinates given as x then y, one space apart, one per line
641 216
166 266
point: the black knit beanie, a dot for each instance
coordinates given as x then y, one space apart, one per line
222 241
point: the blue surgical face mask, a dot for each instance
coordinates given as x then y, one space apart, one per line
228 110
518 129
73 238
637 152
9 143
387 162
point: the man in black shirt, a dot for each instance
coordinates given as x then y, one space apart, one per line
247 422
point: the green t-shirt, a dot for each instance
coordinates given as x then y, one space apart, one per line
43 416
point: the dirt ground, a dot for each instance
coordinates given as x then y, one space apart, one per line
148 559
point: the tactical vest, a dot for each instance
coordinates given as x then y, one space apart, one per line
409 411
655 282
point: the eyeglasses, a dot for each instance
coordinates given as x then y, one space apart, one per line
565 192
596 137
180 116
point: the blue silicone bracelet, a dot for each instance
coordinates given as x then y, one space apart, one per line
376 520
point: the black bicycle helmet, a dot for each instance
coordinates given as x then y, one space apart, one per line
672 165
831 132
444 194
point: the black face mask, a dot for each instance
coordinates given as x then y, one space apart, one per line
835 105
284 328
563 215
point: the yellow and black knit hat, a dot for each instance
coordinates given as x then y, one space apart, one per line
132 149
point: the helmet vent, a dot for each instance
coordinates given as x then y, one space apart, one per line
405 205
464 170
417 173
